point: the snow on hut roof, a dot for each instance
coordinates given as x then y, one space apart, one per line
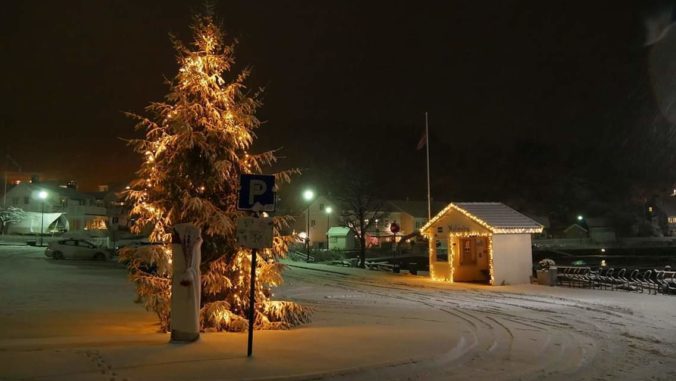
338 231
495 216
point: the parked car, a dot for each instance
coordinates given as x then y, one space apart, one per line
77 249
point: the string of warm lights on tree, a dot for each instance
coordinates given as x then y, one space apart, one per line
197 143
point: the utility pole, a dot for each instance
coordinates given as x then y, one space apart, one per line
7 160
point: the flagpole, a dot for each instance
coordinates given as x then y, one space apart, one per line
427 147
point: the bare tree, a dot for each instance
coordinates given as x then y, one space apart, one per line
360 207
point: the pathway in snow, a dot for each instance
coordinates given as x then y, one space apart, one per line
64 320
514 332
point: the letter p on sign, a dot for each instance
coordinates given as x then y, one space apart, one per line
256 193
256 188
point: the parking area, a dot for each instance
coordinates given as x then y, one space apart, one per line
48 298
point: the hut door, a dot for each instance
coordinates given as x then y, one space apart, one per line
474 252
481 247
467 252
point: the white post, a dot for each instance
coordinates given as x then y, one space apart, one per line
186 284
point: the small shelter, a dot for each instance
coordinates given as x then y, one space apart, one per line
33 222
486 242
576 231
341 238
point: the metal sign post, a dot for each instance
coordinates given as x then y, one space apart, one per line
394 228
252 303
256 194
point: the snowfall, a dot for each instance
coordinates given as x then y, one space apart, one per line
71 320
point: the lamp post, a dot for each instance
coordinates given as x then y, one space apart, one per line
328 211
308 195
42 195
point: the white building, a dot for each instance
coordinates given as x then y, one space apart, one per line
323 214
341 238
65 209
485 242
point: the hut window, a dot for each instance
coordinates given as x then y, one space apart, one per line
440 229
441 252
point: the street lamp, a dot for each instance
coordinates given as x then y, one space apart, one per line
308 195
579 217
328 211
42 195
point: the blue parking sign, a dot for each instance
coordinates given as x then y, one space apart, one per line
256 193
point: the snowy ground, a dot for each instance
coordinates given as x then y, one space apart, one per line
62 320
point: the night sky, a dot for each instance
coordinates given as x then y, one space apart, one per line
523 96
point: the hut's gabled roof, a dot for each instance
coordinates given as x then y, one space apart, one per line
494 216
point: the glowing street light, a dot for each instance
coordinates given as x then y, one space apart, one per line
579 217
42 195
328 211
308 195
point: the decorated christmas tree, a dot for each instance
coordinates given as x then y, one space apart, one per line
197 143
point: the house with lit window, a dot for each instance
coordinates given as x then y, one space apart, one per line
485 242
665 214
325 214
62 209
318 215
409 215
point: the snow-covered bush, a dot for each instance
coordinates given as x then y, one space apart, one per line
546 263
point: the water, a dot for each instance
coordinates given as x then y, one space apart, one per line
644 258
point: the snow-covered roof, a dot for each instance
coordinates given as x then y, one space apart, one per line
338 231
69 193
575 226
494 216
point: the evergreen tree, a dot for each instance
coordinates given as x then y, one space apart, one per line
197 143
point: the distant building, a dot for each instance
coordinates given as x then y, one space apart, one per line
601 230
486 242
665 214
81 211
320 220
341 238
409 215
576 231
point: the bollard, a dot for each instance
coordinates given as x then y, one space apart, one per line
185 283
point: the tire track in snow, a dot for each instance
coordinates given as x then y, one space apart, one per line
560 335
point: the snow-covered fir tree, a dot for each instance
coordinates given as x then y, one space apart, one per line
197 143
